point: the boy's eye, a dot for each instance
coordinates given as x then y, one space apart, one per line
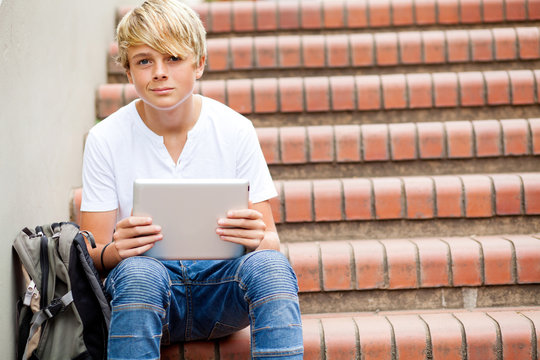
175 58
143 62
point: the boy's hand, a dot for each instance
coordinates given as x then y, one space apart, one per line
135 235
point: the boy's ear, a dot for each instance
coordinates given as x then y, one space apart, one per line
200 68
128 74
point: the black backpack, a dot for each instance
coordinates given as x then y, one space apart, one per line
63 311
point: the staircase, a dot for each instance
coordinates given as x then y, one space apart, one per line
403 137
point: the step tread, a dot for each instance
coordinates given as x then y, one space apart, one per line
486 334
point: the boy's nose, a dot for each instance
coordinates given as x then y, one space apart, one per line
160 72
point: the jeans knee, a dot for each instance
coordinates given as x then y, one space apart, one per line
139 280
268 273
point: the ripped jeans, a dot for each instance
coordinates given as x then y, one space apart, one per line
157 302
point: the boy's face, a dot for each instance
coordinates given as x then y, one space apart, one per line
162 81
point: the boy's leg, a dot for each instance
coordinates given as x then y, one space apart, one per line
259 289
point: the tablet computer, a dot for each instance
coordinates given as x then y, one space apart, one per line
187 211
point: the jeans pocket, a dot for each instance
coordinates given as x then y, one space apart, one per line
221 330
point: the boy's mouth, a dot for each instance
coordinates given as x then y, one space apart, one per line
162 90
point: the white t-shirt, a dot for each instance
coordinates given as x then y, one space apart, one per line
121 148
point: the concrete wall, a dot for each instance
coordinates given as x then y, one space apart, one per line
52 58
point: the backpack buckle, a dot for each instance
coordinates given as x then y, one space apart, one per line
58 305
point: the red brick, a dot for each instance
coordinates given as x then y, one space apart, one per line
466 261
403 141
481 335
369 257
430 140
312 339
321 143
266 52
171 352
527 255
460 139
368 89
266 15
448 190
458 45
336 265
269 140
531 186
487 137
342 93
340 338
402 12
347 139
203 11
334 17
497 87
221 15
401 257
493 11
410 47
194 350
446 89
471 88
434 266
515 10
425 12
355 12
311 15
291 94
304 259
379 13
298 204
357 194
534 317
505 43
535 132
448 11
214 89
471 11
317 94
508 196
534 9
288 17
516 336
481 44
338 50
529 43
110 98
388 198
419 192
239 95
313 51
375 334
375 141
386 49
265 93
498 260
293 144
289 50
243 16
522 87
394 91
478 196
242 53
410 335
218 54
362 49
515 136
236 346
420 90
446 336
276 203
130 93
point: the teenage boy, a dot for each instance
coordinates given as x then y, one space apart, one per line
171 133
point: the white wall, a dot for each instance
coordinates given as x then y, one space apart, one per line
52 59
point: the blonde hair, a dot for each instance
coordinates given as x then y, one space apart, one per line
167 26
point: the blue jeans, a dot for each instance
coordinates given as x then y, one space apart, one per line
157 302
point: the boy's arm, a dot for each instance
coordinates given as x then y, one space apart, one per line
254 227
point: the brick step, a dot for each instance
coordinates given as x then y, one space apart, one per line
246 17
488 334
326 97
356 52
429 148
424 273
